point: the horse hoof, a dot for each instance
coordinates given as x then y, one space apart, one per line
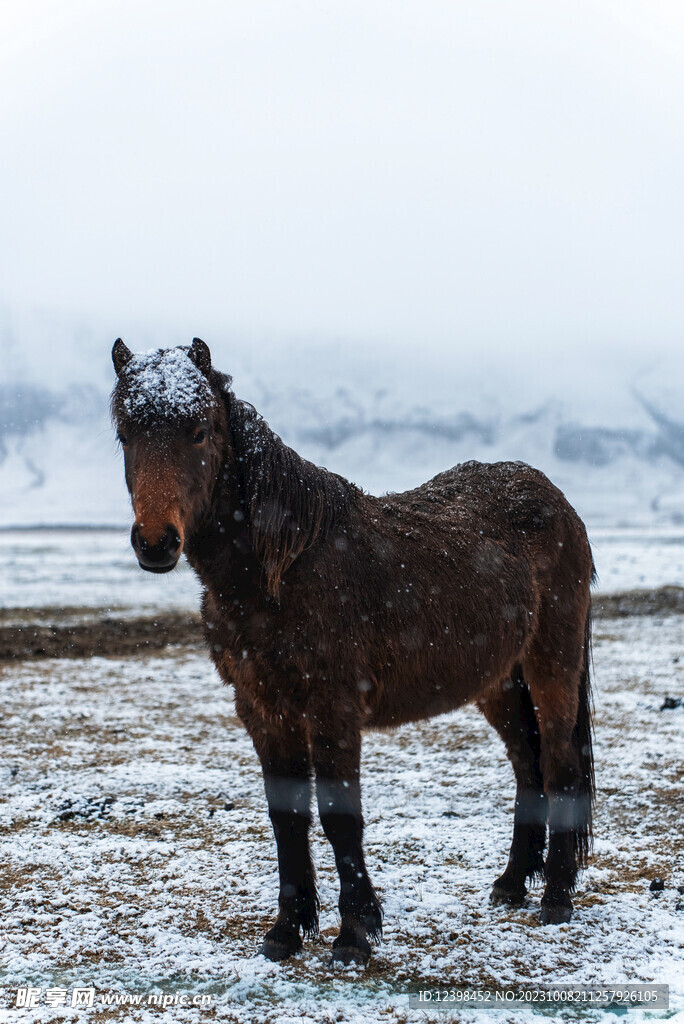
557 913
512 897
350 955
278 951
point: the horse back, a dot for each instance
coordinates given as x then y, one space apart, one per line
457 576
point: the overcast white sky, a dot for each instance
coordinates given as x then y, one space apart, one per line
481 173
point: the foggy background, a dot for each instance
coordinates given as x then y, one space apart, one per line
415 233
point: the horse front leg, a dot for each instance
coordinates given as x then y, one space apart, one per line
286 766
337 761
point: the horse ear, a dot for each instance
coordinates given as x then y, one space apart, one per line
200 355
121 356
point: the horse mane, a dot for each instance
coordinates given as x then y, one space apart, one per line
289 503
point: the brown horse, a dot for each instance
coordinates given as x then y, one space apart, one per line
331 611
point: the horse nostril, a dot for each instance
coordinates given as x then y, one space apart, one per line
172 541
140 545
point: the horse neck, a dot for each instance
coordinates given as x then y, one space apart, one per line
214 545
265 494
274 480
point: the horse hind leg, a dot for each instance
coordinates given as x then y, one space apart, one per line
560 690
510 711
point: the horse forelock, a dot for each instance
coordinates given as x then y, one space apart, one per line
162 385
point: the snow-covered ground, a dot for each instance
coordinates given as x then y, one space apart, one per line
137 855
86 569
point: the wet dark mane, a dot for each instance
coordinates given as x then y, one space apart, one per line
290 504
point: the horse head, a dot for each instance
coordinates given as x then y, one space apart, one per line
171 425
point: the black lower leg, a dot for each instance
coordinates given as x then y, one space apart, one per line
360 911
567 815
339 803
526 858
511 711
289 799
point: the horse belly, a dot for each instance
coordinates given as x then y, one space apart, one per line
414 705
454 669
423 692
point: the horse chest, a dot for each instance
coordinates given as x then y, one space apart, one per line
261 671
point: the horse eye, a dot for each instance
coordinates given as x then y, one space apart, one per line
122 439
200 437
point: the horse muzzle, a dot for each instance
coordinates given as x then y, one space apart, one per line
160 557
